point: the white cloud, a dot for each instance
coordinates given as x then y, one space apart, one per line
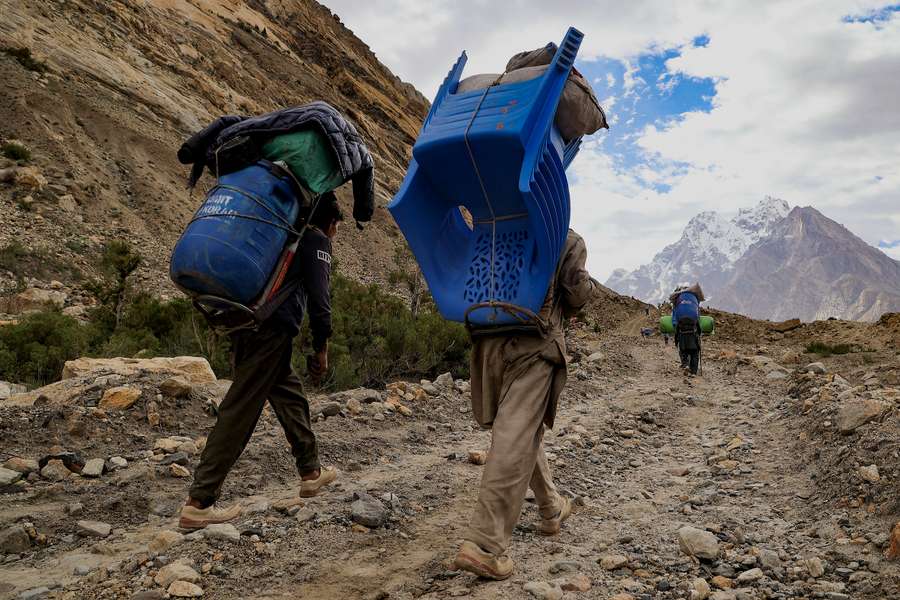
807 107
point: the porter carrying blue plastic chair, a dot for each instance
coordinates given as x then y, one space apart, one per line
497 153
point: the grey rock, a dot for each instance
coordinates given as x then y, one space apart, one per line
305 515
854 414
8 476
176 572
595 357
22 465
116 462
368 511
698 543
816 367
74 509
93 467
222 531
331 409
178 458
184 589
815 567
543 590
55 470
94 528
750 576
34 593
14 540
768 559
366 395
565 566
176 387
8 389
444 382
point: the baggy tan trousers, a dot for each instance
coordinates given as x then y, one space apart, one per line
515 461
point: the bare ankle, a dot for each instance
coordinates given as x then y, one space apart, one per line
310 475
195 503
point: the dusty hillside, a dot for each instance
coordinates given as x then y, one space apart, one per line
127 80
786 470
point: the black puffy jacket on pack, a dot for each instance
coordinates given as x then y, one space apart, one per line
352 155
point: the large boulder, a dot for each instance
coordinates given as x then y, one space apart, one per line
857 413
59 393
193 369
785 326
8 389
698 543
34 299
120 398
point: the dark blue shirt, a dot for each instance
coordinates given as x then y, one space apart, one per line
312 267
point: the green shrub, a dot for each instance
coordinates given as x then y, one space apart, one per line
826 350
34 350
377 339
24 57
15 151
22 262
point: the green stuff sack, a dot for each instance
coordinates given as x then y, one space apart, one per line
707 325
665 325
308 156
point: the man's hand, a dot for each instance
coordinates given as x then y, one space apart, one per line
317 365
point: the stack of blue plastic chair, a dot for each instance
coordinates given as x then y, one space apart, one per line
496 152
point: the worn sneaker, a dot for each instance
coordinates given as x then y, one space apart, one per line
552 526
198 518
473 559
311 487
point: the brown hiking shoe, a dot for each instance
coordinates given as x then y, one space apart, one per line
552 526
311 487
198 518
473 559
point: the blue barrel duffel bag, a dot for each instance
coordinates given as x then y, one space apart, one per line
234 253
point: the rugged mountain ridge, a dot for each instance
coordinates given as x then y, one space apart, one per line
812 268
126 81
706 251
771 263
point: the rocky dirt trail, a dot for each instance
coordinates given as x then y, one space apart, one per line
686 488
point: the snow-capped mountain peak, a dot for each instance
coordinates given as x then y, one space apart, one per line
710 244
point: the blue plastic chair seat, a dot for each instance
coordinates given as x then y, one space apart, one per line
497 153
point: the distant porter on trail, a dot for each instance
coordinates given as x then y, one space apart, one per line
255 257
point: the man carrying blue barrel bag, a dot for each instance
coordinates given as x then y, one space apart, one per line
273 195
262 371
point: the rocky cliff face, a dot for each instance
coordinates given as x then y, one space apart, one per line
706 252
127 80
812 268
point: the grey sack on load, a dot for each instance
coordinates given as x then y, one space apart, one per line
578 113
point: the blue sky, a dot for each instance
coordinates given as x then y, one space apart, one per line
643 93
712 106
